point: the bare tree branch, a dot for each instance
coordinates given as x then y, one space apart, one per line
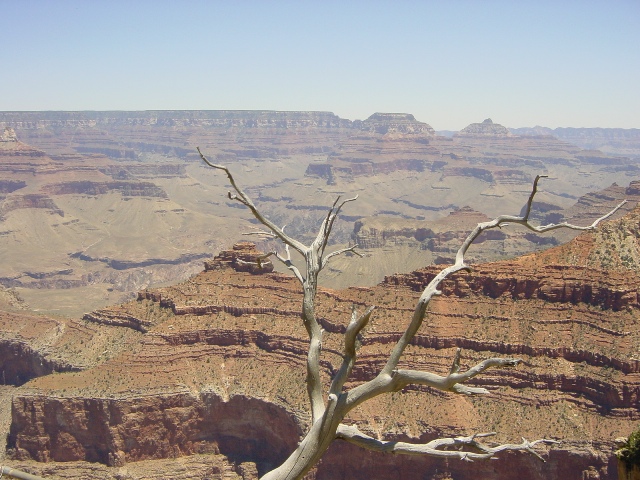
451 382
314 382
19 474
432 288
351 249
354 328
313 260
353 435
534 190
285 261
327 224
245 200
455 366
418 317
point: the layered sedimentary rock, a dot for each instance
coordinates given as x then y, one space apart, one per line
175 371
74 220
381 144
228 342
390 123
143 189
33 346
486 128
109 431
243 258
124 135
34 200
551 283
139 208
127 171
444 235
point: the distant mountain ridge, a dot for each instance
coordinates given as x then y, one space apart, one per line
616 141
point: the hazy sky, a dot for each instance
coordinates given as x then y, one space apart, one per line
450 63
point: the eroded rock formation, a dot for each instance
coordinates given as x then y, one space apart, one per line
174 424
244 257
486 128
132 195
228 342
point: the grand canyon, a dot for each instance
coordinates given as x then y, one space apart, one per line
139 341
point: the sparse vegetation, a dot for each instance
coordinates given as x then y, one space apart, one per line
629 453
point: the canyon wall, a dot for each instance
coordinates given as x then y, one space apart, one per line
220 370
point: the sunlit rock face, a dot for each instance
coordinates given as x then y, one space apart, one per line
214 363
220 369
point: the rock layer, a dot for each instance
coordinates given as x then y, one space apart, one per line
110 431
233 340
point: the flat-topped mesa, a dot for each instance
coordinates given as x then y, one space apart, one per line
485 129
243 257
385 123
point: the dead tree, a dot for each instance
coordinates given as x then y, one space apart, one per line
330 406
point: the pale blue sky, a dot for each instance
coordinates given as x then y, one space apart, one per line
450 63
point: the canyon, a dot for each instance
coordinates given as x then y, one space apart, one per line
122 356
95 206
211 371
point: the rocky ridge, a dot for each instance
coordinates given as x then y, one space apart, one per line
486 128
617 141
217 335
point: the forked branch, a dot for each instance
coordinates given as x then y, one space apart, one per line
327 225
315 260
453 382
286 261
504 220
351 249
245 200
357 323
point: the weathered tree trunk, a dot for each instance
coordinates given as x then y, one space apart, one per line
312 447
